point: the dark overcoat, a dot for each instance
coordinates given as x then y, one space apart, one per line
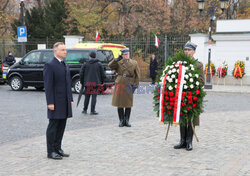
199 66
123 91
153 67
57 84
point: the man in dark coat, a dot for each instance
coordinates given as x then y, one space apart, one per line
10 59
186 132
153 68
57 84
92 77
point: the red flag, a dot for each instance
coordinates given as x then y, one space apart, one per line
156 41
97 36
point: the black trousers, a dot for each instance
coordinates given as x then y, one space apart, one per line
153 79
54 134
93 102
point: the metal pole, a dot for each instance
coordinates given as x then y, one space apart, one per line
165 49
23 48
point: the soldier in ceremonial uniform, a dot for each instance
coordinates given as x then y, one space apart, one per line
186 132
125 84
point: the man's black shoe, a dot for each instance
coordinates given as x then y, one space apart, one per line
54 156
94 113
84 112
61 153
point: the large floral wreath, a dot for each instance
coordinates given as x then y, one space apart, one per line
212 69
168 93
222 70
239 70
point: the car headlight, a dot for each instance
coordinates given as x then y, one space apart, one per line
109 72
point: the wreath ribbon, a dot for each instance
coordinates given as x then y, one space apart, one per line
237 70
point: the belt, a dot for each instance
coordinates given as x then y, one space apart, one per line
125 75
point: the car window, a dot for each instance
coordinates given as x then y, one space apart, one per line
47 56
32 58
104 56
74 57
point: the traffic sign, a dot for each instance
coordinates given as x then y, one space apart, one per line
22 34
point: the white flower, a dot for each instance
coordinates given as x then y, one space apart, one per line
185 62
190 74
174 70
177 65
171 66
192 68
173 76
197 83
177 71
191 65
196 75
184 82
168 77
176 80
185 86
169 72
170 88
191 86
175 86
170 80
191 80
186 76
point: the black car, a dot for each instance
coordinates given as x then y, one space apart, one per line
29 71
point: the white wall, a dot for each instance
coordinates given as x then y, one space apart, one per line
228 47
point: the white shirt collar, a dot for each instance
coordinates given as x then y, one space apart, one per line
58 59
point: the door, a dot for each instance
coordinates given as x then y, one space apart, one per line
31 68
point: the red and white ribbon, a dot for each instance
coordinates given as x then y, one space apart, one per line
161 116
178 94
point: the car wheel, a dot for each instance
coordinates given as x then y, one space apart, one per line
77 85
39 88
16 83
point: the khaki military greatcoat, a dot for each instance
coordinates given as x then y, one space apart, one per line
127 80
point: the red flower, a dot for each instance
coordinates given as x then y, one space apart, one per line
182 98
169 107
190 102
181 113
197 91
195 98
194 105
164 110
184 94
171 104
168 112
190 93
158 90
189 98
158 97
171 94
165 104
171 99
188 108
166 98
182 104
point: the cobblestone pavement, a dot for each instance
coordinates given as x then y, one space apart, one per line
223 150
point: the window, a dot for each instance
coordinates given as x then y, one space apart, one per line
47 56
104 56
74 57
32 58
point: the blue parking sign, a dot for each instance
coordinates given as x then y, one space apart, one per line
22 34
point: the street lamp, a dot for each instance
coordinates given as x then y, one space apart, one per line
201 6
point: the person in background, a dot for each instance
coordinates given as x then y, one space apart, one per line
153 68
10 59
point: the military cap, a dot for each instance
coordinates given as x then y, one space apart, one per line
125 50
190 45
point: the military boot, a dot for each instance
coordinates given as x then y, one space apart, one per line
189 138
127 116
182 143
121 116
